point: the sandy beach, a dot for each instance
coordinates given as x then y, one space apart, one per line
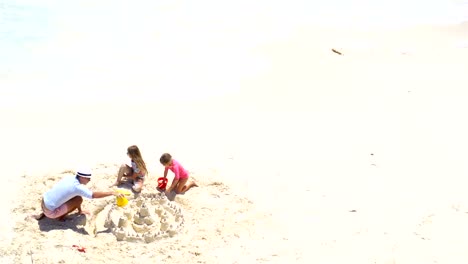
310 157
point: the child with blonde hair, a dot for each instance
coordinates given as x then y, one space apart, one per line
137 171
181 175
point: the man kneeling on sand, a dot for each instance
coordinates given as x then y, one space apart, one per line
66 196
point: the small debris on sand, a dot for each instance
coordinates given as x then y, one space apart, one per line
337 52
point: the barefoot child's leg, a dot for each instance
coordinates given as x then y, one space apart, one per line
182 185
138 186
124 171
189 186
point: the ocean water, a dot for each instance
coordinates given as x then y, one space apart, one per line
91 51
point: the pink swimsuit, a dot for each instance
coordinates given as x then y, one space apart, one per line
178 170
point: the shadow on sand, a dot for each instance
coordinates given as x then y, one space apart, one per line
172 195
75 222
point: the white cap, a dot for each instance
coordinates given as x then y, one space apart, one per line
84 172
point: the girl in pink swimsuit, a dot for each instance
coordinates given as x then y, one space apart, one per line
180 174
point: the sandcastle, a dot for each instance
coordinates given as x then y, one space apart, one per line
145 219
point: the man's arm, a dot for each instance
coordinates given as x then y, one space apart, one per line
103 194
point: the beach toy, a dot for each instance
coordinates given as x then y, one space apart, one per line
123 201
124 192
162 182
79 248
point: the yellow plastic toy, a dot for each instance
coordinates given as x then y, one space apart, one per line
123 201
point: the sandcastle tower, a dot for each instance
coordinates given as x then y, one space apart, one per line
145 219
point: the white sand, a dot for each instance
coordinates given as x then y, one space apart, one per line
319 158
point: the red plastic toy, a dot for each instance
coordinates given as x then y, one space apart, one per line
162 182
80 249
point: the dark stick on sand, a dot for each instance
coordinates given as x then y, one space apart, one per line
337 52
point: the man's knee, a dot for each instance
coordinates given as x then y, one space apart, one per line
78 199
